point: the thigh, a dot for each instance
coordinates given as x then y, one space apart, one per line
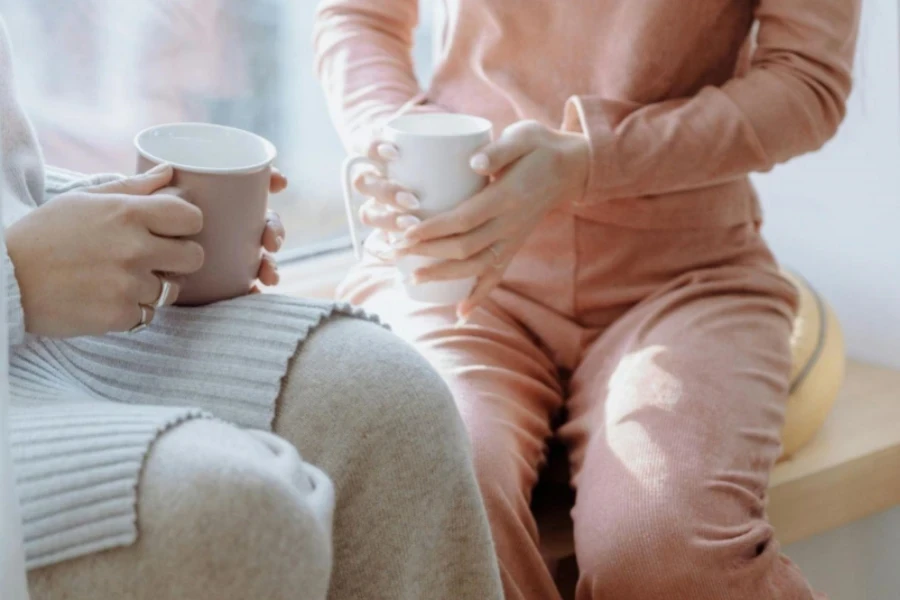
222 514
367 408
677 410
504 385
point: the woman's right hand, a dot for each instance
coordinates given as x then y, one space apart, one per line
86 260
388 203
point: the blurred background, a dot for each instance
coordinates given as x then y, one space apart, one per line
94 72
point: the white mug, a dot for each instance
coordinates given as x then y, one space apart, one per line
435 149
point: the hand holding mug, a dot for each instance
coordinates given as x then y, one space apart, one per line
227 173
418 168
533 168
87 260
389 203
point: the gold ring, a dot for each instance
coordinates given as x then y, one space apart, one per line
147 313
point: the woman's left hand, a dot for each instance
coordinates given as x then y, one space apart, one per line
533 168
273 235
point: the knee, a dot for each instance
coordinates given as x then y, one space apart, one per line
237 511
630 544
374 392
657 547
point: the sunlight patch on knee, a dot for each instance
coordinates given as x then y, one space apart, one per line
639 407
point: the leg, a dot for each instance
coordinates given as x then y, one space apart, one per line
223 515
409 522
505 390
676 417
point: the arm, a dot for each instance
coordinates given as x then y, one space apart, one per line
790 102
364 61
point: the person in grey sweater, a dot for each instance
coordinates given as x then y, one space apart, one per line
167 464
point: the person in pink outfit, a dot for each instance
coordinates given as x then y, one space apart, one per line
623 280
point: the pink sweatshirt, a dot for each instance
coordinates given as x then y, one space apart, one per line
679 99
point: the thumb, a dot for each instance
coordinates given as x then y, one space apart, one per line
138 185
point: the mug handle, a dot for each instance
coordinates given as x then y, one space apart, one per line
350 163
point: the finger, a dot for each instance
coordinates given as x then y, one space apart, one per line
387 192
378 216
139 185
487 204
180 257
478 265
268 270
278 182
273 234
167 216
378 246
516 141
380 150
458 247
483 289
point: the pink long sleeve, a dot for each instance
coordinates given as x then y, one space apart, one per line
789 102
680 100
364 61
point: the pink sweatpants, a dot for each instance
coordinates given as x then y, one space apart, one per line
675 349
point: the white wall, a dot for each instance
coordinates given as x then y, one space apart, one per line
835 215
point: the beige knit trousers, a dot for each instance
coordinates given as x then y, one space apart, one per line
229 514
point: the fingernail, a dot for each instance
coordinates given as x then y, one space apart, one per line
370 179
272 262
461 321
480 162
401 243
407 200
396 241
278 242
404 222
388 152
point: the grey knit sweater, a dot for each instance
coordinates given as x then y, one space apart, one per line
85 411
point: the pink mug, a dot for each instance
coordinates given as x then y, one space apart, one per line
225 172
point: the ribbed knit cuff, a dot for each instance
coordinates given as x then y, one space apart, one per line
15 316
59 181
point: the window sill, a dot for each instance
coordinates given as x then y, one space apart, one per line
315 276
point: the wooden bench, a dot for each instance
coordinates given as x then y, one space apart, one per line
851 469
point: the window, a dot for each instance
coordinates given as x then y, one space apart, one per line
91 73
